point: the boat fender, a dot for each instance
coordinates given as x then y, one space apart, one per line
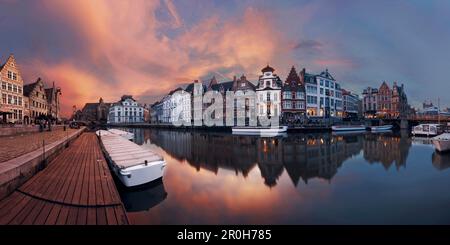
146 162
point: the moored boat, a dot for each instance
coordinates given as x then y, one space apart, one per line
428 130
349 128
442 142
125 134
131 163
381 128
261 131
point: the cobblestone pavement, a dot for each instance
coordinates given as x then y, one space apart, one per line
17 145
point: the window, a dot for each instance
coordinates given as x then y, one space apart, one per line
9 99
4 85
260 97
4 98
15 114
14 76
19 89
321 82
9 87
20 114
14 88
275 97
10 75
321 90
321 101
300 95
287 95
268 96
327 84
287 104
15 100
267 83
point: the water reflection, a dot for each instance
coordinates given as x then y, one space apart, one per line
303 156
219 178
143 197
441 161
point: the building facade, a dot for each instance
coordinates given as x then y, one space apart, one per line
53 101
386 102
323 95
293 104
127 110
36 98
370 102
351 105
11 91
94 112
268 93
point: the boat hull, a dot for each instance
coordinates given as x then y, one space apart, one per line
381 128
442 142
348 128
140 174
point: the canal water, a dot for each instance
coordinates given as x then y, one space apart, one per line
320 178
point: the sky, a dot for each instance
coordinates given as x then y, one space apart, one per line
107 48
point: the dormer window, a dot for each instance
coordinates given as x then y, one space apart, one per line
267 83
267 74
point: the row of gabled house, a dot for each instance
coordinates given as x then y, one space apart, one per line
22 103
299 96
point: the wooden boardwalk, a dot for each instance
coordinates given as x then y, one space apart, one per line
76 188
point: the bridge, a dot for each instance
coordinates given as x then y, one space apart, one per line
412 120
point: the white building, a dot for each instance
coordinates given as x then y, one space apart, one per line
268 93
351 104
127 110
323 95
179 106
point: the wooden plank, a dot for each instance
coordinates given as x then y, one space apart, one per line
11 212
53 215
91 216
76 188
101 216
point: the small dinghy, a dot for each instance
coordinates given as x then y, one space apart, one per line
125 134
349 128
381 128
132 164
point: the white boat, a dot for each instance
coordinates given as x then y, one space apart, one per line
381 128
132 164
349 128
125 134
442 142
428 130
261 131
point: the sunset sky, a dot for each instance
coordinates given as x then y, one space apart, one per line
108 48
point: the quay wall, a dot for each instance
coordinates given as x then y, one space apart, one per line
15 172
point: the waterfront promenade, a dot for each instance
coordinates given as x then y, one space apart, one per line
75 188
18 145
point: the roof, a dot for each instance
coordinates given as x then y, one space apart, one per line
326 74
267 69
90 106
293 81
226 86
126 96
28 88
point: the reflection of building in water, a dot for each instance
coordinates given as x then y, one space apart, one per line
386 149
309 156
441 161
270 159
303 156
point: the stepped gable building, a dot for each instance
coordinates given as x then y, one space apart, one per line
268 93
11 92
385 102
36 99
53 94
293 104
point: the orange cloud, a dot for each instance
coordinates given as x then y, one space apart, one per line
126 51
